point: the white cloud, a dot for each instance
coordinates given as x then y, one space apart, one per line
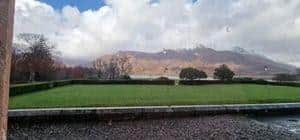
269 27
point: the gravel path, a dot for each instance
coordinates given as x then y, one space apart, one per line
208 127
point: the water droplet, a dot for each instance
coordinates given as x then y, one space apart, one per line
228 29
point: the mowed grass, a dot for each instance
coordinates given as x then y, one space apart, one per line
154 95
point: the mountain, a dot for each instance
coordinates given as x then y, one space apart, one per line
170 62
241 50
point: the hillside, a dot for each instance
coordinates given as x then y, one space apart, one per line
170 62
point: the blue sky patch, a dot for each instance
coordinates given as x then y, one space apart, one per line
82 5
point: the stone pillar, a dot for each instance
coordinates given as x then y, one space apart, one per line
6 34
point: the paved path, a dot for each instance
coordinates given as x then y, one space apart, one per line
205 127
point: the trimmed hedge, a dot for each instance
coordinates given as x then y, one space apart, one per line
259 82
126 82
27 88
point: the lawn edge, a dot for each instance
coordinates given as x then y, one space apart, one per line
141 112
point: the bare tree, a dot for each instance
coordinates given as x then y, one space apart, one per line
16 66
100 66
113 68
37 59
124 65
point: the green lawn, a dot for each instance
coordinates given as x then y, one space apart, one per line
142 95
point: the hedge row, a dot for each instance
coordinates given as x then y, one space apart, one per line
27 88
126 82
259 82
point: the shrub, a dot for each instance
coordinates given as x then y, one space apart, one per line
199 82
125 82
162 78
285 77
125 77
258 82
92 78
223 73
243 79
192 74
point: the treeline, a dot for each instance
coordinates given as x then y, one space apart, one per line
284 77
34 59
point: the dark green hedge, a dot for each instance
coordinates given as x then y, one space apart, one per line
126 82
27 88
259 82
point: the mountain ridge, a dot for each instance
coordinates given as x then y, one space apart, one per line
170 62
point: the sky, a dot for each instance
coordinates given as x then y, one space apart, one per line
82 5
87 29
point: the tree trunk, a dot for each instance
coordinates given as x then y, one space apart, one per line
6 33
